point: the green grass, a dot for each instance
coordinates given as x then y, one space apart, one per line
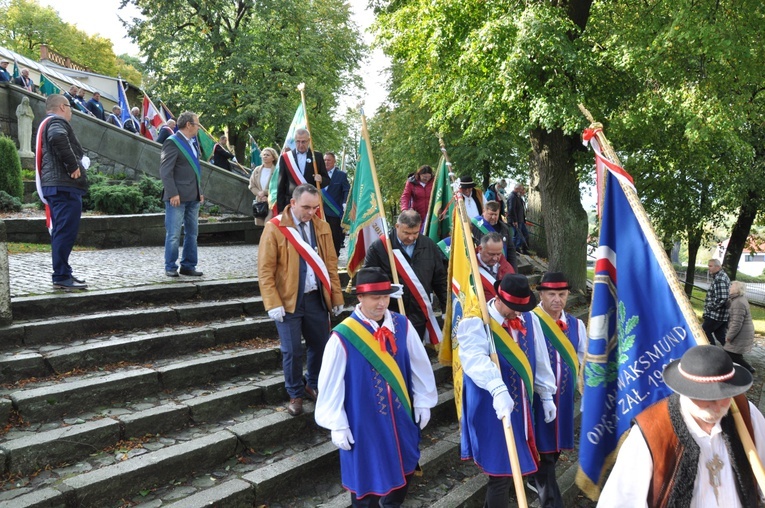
758 313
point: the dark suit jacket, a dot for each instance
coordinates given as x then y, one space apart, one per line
179 178
164 133
20 81
338 189
96 108
132 125
221 157
286 184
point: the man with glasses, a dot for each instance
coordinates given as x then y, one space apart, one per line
296 167
61 181
181 175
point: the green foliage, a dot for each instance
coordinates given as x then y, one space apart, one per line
151 190
27 174
9 203
214 210
10 168
625 327
123 198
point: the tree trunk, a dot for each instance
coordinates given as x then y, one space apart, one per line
694 242
740 232
564 217
485 174
238 142
538 239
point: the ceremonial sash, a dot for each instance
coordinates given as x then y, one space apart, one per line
485 228
305 251
117 121
514 355
489 278
297 175
331 203
446 246
41 130
186 150
558 339
406 272
359 335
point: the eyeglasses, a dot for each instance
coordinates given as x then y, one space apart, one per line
66 106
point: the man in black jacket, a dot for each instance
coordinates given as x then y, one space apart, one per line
516 217
419 257
296 167
62 183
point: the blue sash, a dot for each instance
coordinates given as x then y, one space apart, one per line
336 209
186 150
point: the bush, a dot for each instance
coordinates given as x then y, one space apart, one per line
151 188
27 174
9 203
10 168
116 199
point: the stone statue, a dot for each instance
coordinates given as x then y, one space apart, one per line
25 117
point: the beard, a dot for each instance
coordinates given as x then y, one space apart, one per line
708 415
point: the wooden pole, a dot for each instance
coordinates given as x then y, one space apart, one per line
512 450
301 87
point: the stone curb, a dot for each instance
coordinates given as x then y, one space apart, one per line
216 367
206 407
231 494
470 493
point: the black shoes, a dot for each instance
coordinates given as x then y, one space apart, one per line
69 284
171 273
190 272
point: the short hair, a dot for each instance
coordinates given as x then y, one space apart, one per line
492 205
737 287
75 89
96 93
715 262
135 110
301 131
491 237
518 186
115 108
409 218
272 152
171 121
302 189
332 154
54 101
185 118
222 137
424 169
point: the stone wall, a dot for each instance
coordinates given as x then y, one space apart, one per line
6 315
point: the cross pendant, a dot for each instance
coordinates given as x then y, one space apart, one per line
715 465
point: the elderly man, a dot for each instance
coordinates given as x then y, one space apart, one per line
488 222
376 389
181 176
504 391
133 124
166 131
420 266
685 449
516 217
566 342
472 196
716 313
297 273
61 183
296 167
24 81
114 117
492 263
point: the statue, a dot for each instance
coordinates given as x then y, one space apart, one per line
25 117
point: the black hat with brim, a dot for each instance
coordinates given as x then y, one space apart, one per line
707 373
555 281
514 291
373 281
467 181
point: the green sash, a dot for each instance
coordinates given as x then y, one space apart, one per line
515 356
360 337
558 339
185 149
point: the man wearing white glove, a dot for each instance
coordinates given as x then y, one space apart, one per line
361 399
566 340
492 395
297 274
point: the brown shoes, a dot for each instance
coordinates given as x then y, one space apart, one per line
295 407
311 393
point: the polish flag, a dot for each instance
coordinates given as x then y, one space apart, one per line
152 120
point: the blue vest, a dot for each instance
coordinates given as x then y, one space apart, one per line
387 439
482 437
559 434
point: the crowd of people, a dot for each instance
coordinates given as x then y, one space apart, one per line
370 376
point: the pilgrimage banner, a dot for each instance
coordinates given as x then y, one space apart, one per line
438 222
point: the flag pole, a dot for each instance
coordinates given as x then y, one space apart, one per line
682 299
301 87
512 451
380 208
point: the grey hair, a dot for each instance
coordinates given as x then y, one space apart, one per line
491 237
409 218
184 119
737 288
302 131
715 262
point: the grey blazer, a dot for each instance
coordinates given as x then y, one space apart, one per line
179 178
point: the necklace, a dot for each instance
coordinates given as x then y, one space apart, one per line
715 465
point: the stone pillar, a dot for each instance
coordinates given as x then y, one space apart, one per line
6 317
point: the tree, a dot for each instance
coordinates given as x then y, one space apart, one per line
238 63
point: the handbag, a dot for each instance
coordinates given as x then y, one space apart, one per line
259 209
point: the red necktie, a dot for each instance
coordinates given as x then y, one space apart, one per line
562 324
381 335
516 324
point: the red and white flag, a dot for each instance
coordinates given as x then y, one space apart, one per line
152 120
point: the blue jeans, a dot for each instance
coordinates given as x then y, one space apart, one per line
521 235
186 215
65 211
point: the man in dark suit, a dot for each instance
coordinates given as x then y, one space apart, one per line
335 195
166 131
181 174
296 167
94 106
133 124
114 117
24 81
4 74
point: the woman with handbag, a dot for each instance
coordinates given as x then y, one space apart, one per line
259 186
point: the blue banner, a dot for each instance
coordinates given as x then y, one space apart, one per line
638 324
122 102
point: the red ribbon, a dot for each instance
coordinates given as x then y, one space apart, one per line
516 324
373 286
514 299
562 324
381 335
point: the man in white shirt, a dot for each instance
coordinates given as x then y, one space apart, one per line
685 450
376 389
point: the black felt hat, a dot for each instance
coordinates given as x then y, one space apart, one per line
373 281
514 291
555 281
707 373
466 181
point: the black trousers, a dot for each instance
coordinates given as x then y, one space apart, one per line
498 492
715 330
338 236
393 500
739 359
546 482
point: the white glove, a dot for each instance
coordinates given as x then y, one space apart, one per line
277 314
421 416
343 439
548 406
234 159
503 405
337 310
85 161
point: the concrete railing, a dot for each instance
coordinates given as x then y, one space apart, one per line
6 316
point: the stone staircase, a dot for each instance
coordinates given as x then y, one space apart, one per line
173 394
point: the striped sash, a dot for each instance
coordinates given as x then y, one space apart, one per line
514 355
422 298
305 251
558 339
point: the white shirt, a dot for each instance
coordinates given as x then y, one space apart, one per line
474 354
628 483
471 206
582 349
301 158
191 143
330 407
310 275
265 176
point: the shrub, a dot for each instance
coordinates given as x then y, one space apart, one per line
27 174
151 188
116 199
9 203
10 168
